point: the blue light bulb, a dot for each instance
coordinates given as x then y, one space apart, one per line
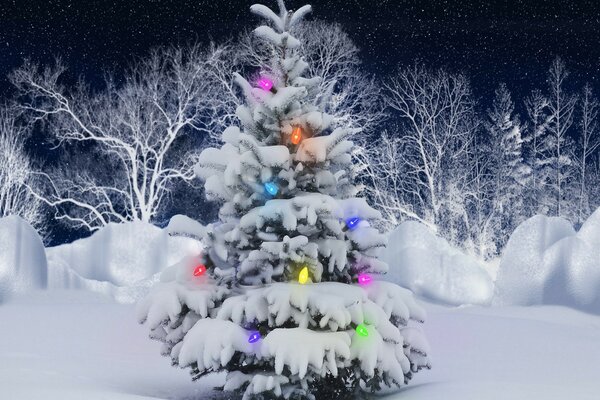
352 223
254 337
271 188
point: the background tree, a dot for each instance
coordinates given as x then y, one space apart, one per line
15 172
561 106
538 152
589 142
382 169
129 133
436 113
509 170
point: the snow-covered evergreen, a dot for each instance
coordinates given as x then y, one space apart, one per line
510 173
275 298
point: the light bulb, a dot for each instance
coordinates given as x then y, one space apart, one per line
265 83
296 135
303 276
352 223
271 188
200 270
362 330
254 337
364 279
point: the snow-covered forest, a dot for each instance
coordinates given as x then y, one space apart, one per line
289 224
471 170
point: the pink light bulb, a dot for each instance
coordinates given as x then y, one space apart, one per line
265 83
364 279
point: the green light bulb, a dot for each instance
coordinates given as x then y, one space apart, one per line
362 330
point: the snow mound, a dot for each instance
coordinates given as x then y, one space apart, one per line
22 258
120 260
432 268
547 262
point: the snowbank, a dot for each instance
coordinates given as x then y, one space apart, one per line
22 258
547 262
430 267
120 260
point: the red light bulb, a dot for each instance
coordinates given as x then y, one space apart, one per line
200 270
296 135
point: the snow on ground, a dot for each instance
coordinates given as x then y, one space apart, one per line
120 260
511 353
547 262
75 345
22 258
429 266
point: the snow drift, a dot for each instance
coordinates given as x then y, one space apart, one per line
120 260
432 268
547 262
22 258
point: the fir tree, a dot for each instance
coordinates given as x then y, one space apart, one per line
538 153
282 297
510 171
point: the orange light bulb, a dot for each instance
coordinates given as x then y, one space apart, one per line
296 135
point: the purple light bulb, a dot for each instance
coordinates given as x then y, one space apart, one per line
364 279
254 337
265 83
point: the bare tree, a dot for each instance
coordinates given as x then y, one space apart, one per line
479 212
352 96
381 163
133 131
561 106
438 123
589 142
15 169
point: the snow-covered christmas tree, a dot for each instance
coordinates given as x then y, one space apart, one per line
283 297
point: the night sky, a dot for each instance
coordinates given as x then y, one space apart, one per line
505 41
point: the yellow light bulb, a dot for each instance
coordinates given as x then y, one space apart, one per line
303 277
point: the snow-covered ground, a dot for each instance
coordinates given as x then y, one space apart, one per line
74 345
66 343
79 345
509 353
